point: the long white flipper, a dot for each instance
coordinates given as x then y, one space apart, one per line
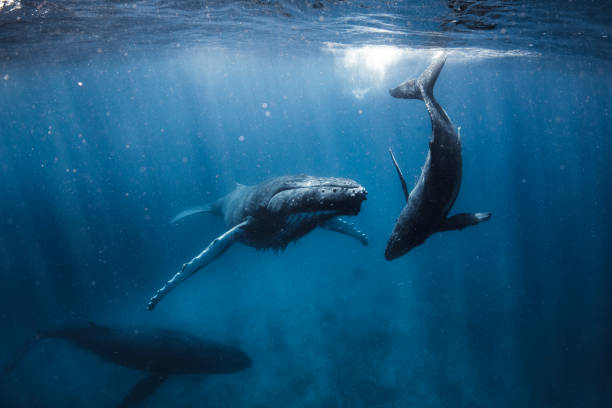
212 252
343 227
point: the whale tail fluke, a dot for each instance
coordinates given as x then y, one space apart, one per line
407 90
19 356
417 88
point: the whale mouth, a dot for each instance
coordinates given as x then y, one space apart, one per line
316 216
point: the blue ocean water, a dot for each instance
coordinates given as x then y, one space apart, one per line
116 115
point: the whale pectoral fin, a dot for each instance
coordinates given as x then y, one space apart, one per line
401 176
214 250
460 221
141 390
343 227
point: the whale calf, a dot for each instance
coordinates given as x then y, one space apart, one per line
160 352
429 202
274 213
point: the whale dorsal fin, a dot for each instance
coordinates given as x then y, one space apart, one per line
92 324
401 176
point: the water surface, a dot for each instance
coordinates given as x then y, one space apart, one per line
116 115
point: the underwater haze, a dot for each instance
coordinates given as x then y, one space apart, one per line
117 115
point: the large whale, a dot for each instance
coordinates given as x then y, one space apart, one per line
429 202
273 214
160 352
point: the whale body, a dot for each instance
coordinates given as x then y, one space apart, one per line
274 213
159 352
430 201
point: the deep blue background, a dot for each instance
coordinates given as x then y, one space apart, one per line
513 312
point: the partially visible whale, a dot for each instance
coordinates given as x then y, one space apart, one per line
272 214
429 202
160 352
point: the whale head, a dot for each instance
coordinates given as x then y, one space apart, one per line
316 196
398 246
409 231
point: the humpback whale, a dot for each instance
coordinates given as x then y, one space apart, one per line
160 352
429 202
274 213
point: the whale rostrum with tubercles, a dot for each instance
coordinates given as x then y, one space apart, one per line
272 214
429 202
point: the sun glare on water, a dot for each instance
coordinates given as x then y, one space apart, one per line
366 67
373 58
9 5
